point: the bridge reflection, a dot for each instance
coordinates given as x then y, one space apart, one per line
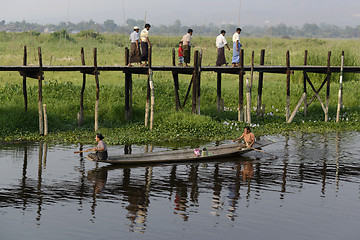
229 183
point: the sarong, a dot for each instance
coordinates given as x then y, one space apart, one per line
144 51
187 51
220 57
134 53
98 155
236 54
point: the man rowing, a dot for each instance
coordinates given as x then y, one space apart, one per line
249 138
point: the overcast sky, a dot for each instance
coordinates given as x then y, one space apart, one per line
197 12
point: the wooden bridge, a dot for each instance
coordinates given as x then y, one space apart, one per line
37 72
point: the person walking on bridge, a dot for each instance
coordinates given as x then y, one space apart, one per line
187 46
220 44
236 48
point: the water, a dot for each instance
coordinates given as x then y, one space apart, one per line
311 191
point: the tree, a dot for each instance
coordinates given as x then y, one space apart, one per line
110 25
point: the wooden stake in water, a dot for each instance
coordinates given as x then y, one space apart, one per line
340 88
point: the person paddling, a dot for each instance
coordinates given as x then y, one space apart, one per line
249 138
100 150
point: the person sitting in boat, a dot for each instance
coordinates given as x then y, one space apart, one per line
248 136
100 150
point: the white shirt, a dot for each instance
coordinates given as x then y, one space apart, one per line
236 37
134 36
144 34
186 39
220 41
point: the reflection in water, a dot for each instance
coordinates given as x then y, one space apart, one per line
303 160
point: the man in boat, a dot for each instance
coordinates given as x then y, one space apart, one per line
249 138
100 150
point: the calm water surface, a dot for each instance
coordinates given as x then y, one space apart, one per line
311 191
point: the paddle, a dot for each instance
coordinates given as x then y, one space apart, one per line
80 151
263 152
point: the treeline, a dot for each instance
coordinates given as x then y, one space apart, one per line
176 28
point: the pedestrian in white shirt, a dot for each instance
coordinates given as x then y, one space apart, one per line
220 44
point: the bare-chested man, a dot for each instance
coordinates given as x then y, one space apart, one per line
248 136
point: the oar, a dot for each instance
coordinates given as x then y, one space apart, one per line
80 151
263 152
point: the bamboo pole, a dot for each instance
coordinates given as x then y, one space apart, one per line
81 113
287 85
340 88
40 77
24 80
248 102
304 80
152 99
260 85
241 86
249 88
97 91
328 87
147 106
45 120
302 99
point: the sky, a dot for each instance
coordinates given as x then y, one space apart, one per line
156 12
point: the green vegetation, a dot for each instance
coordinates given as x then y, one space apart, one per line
61 90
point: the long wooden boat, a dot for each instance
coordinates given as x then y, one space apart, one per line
185 155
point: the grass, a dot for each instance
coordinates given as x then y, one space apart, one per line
61 91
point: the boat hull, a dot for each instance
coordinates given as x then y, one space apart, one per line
185 155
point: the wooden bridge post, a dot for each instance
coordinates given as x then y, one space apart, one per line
176 83
198 88
24 80
128 89
241 86
97 91
40 107
194 92
81 113
305 91
287 85
218 87
328 72
260 85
